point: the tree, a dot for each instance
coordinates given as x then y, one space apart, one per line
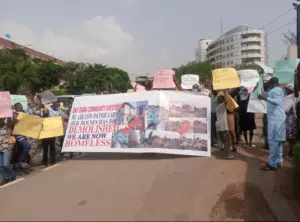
250 66
203 69
290 38
95 78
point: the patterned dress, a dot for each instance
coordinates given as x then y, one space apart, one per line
4 138
291 124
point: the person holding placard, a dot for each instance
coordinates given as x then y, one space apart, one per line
6 146
23 146
222 125
276 124
246 120
48 143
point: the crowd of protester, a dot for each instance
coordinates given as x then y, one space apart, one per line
226 128
14 149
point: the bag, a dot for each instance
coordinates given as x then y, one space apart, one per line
12 140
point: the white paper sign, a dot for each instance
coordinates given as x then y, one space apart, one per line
47 97
188 80
249 77
256 105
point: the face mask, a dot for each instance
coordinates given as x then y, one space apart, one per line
244 95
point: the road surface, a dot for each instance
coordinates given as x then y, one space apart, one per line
132 187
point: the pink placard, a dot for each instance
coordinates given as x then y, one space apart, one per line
251 89
163 79
5 105
139 88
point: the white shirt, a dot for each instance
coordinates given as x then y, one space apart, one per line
221 123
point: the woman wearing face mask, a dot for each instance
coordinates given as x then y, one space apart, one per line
246 120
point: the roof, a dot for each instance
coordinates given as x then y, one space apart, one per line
10 44
240 28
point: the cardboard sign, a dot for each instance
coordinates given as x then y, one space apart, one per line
52 127
163 79
285 70
5 105
20 99
28 125
188 80
248 77
47 97
139 88
146 122
225 78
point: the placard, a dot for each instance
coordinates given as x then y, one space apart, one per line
146 122
225 78
163 79
28 125
188 80
5 105
52 127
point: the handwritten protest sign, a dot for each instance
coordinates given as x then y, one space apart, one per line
52 127
47 97
285 69
248 77
20 99
5 105
146 122
188 80
163 79
256 105
28 125
225 78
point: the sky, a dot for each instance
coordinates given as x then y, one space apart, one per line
139 36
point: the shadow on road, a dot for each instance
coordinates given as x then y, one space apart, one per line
129 156
259 196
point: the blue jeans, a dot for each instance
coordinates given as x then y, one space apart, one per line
24 146
6 169
275 156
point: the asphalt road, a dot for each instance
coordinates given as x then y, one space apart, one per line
122 187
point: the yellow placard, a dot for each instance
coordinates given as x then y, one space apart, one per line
28 125
129 90
52 127
61 104
225 78
231 104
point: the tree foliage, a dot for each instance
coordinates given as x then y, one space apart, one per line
20 74
203 69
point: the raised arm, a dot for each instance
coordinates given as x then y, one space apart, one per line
177 84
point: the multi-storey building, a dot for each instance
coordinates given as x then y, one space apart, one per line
201 50
4 43
238 46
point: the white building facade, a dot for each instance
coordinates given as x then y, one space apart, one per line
201 50
238 46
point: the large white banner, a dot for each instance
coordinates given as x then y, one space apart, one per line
145 122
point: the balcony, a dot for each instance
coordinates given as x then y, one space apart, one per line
251 39
251 55
251 47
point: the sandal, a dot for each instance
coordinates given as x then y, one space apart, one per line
267 167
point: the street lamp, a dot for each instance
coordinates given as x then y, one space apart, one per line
296 5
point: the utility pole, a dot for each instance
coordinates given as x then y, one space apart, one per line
297 6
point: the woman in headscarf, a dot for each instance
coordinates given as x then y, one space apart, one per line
246 120
6 150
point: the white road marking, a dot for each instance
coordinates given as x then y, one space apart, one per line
11 183
48 168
